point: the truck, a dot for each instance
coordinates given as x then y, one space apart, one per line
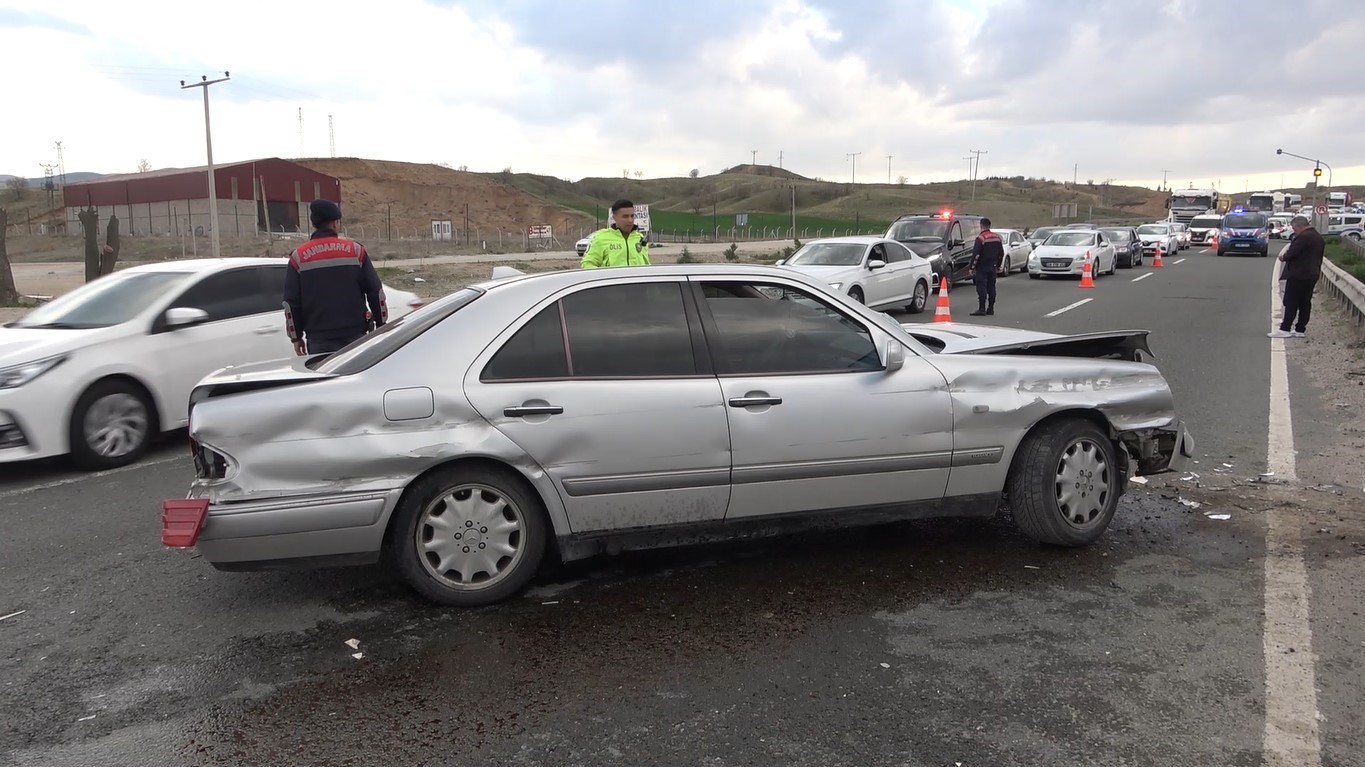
1185 204
1339 200
1267 202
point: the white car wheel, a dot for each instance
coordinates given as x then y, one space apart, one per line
111 425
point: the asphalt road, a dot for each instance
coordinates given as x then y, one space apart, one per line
936 643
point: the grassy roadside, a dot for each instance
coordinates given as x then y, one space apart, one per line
1346 257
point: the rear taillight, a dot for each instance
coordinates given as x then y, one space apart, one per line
416 303
182 521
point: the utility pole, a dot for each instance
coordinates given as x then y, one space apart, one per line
61 164
976 168
204 83
888 169
331 137
47 181
1075 169
854 157
753 156
969 160
300 131
1163 179
779 158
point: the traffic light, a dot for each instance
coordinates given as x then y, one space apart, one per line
1317 173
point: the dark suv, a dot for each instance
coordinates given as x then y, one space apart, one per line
944 239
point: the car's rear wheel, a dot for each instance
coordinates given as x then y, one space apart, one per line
920 298
857 295
111 425
469 536
1063 488
1007 269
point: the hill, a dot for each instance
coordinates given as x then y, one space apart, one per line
765 193
380 197
71 178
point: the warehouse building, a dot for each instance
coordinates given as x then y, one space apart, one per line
253 197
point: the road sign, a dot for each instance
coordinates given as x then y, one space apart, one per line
1321 210
642 217
540 232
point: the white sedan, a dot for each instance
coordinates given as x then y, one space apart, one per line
1163 235
99 371
875 271
1017 249
1065 253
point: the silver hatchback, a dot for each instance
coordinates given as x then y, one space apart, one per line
580 412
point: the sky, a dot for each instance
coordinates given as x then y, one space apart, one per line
1203 91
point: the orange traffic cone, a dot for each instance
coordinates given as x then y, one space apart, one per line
1087 281
1156 262
942 314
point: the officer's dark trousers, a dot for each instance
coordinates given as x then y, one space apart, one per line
326 343
985 288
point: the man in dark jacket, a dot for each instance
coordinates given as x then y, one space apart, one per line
327 286
988 252
1302 267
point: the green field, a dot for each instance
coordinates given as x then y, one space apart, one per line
1345 257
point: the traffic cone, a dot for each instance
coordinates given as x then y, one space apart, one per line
1087 281
1156 261
942 313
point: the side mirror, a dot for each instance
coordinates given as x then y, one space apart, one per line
956 243
780 262
895 356
876 263
184 316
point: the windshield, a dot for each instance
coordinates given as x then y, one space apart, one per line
1191 201
1071 239
1118 235
919 230
105 302
1206 222
1153 229
829 254
1042 233
1243 221
370 348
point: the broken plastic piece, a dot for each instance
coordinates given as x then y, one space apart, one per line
1189 503
1138 480
1219 516
358 655
354 644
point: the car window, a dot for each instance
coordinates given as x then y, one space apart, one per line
956 233
536 351
970 229
777 330
272 287
629 331
896 252
228 295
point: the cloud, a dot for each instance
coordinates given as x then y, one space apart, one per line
14 18
1122 88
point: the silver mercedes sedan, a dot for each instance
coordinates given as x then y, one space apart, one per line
574 413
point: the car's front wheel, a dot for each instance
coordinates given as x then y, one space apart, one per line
920 298
469 536
857 295
111 425
1063 488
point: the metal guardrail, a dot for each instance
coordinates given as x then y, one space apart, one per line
1341 285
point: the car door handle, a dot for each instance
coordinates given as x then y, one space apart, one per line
525 410
754 401
266 331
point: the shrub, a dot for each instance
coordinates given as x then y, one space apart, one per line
732 252
686 257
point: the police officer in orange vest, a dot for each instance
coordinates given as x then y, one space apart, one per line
327 286
988 253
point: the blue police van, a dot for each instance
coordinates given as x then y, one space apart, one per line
1244 231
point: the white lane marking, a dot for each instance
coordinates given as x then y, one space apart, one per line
1143 277
1291 704
85 477
1181 261
1081 302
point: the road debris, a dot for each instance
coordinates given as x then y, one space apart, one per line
1190 504
86 718
1219 516
1139 480
354 644
358 655
1032 567
11 615
886 665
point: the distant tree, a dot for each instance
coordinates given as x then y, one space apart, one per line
507 171
695 204
693 173
901 180
463 169
625 173
639 174
18 186
143 166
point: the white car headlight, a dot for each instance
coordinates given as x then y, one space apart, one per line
18 375
836 285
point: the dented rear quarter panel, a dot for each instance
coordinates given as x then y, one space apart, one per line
998 399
